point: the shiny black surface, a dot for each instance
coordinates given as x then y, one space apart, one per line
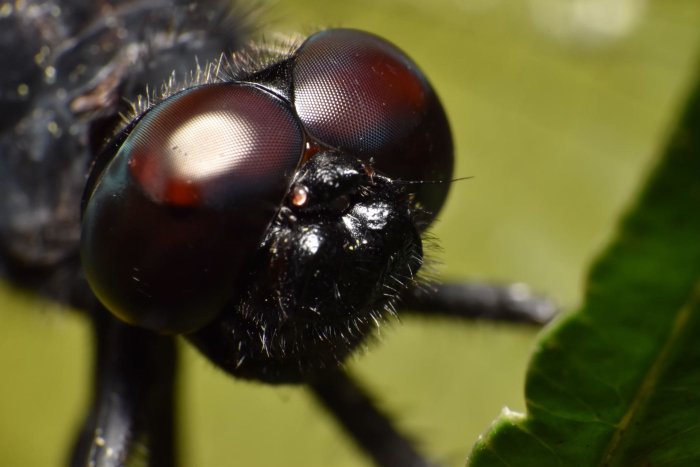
327 274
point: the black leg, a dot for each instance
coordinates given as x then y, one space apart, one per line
131 418
369 428
512 303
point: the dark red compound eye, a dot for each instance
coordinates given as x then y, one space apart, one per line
174 215
357 92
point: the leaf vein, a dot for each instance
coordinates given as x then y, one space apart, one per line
651 378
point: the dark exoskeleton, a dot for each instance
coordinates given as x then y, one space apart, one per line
267 203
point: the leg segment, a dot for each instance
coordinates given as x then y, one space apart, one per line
511 303
132 412
369 428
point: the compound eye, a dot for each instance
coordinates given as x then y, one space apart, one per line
357 92
170 221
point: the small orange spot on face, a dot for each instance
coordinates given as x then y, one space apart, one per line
299 196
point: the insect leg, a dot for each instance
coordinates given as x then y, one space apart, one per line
373 431
512 303
132 413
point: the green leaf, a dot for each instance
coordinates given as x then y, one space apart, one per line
618 382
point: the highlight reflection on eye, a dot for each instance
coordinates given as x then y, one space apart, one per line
212 142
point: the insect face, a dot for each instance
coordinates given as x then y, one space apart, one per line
324 276
266 213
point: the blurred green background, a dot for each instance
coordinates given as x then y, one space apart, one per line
558 108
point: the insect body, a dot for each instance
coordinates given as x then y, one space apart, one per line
269 206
